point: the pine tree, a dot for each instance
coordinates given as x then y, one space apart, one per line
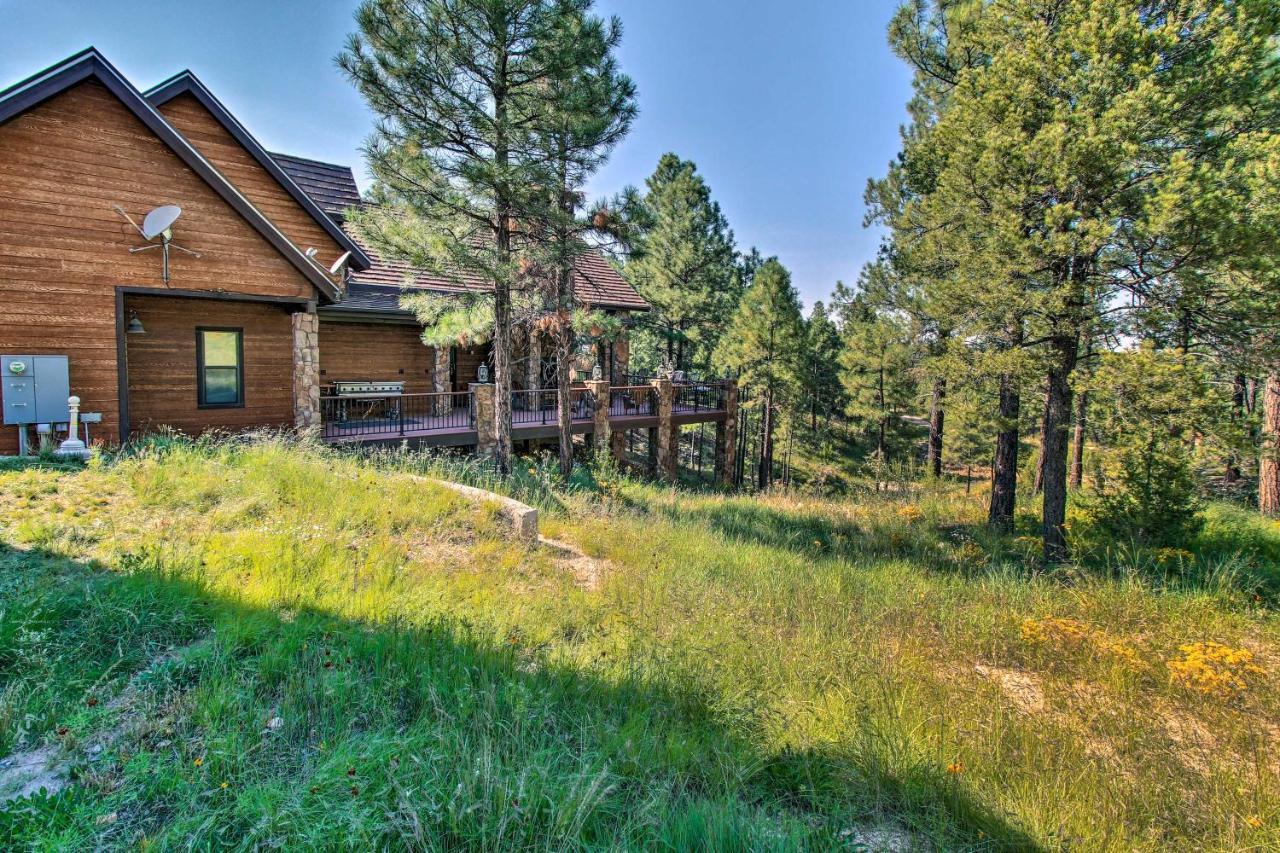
684 263
594 105
763 344
876 370
466 92
1080 160
821 373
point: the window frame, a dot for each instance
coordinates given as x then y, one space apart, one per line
201 402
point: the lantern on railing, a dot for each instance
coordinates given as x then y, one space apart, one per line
482 374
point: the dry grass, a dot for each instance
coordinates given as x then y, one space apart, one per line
766 673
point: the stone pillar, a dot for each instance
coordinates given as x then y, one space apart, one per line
653 451
599 389
668 437
618 445
440 381
486 429
306 367
622 358
727 436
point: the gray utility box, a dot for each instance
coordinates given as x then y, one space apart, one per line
35 389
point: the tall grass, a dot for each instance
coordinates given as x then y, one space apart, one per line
358 655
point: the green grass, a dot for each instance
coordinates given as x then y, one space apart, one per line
256 644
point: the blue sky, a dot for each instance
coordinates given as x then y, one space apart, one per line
787 106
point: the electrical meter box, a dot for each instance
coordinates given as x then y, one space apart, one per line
35 389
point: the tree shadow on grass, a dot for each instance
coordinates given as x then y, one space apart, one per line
241 725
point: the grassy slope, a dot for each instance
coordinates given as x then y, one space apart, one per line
755 673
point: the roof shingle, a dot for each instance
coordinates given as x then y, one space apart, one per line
333 188
329 185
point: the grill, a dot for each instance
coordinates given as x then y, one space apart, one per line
357 389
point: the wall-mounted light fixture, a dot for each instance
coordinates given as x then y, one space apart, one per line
135 326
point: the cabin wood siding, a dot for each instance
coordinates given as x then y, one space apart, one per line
230 158
64 250
375 351
468 363
162 364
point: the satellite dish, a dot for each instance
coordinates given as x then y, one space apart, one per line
159 221
339 263
156 224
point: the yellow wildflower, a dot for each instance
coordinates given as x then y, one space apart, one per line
910 513
1254 821
199 762
1214 669
1066 633
955 768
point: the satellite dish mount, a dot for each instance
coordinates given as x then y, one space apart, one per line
157 229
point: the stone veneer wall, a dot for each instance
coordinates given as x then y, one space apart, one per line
306 369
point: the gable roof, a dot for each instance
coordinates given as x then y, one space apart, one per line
185 82
90 64
331 186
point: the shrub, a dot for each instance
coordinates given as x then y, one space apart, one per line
1149 404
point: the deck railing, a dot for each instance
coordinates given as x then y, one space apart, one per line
541 406
633 401
396 414
698 397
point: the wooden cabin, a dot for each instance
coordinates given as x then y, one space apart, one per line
265 302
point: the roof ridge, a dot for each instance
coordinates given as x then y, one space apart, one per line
88 63
312 160
187 82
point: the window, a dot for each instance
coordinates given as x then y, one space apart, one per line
220 367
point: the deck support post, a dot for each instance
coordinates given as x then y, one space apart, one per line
618 445
306 367
440 381
486 428
668 437
727 436
599 389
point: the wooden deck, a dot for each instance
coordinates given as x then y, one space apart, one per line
444 430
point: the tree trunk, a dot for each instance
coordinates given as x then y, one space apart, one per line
881 447
502 369
564 357
1054 451
765 474
1037 485
502 297
1239 388
1269 453
937 414
1004 468
1077 440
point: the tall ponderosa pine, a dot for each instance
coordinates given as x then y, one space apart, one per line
821 359
1081 160
683 262
594 108
876 368
465 92
763 344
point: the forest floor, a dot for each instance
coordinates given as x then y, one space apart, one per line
259 644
